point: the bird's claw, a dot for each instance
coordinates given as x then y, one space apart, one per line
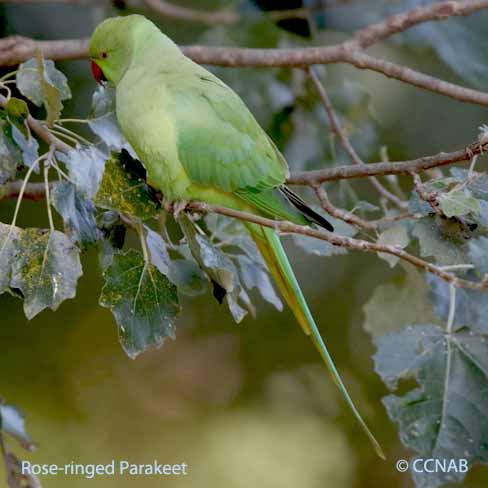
178 207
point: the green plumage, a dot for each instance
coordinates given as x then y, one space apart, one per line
198 141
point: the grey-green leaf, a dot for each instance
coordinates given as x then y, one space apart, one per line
144 302
86 166
103 121
398 303
77 212
457 203
46 267
444 417
323 248
12 422
42 83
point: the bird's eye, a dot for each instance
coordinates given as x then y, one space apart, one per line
104 55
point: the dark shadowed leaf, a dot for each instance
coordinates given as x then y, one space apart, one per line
144 302
77 212
443 418
9 154
86 165
216 264
46 267
8 239
255 276
12 422
125 192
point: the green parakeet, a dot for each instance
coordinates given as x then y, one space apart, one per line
198 141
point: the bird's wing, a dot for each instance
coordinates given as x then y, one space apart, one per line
220 144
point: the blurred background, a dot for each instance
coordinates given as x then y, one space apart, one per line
250 404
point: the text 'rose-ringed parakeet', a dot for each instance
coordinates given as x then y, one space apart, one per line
198 141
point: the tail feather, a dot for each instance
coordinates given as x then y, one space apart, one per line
273 253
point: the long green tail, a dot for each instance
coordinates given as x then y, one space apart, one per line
273 253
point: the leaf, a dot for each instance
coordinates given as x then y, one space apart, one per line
471 305
86 165
42 83
143 301
46 267
255 276
397 236
9 155
218 267
394 305
478 251
29 147
125 192
8 239
442 240
458 203
77 212
157 250
103 121
12 422
319 247
443 417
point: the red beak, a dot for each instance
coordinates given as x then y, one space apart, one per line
97 72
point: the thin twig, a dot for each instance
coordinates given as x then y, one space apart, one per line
346 144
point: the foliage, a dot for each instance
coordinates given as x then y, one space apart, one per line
151 257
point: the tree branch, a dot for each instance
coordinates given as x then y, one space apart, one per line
14 50
346 144
36 191
387 168
167 9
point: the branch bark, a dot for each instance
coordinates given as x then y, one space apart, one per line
387 168
14 50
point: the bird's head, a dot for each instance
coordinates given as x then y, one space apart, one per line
112 46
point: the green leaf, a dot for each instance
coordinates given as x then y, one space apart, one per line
394 305
12 422
8 239
458 203
77 212
103 121
478 251
86 165
144 302
397 236
441 239
42 83
17 109
319 247
125 192
443 418
45 268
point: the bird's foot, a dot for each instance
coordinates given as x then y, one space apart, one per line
178 207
